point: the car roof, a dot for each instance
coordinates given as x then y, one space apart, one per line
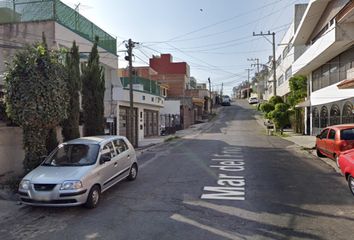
342 126
95 139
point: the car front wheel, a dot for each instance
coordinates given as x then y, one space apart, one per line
319 154
133 172
93 197
351 184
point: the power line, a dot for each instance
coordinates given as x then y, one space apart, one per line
222 21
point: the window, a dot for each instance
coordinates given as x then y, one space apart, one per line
285 51
120 145
324 117
73 155
335 115
143 97
152 99
334 71
315 118
347 134
108 150
325 76
348 116
324 133
278 61
280 80
288 73
316 79
332 134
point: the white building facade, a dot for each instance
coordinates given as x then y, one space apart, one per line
327 33
148 99
286 53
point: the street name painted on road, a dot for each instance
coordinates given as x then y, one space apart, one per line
230 186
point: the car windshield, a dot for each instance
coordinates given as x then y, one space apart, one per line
73 155
347 134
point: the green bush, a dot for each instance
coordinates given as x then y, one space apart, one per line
266 107
280 115
36 97
275 100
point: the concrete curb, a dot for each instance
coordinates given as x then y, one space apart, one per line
308 149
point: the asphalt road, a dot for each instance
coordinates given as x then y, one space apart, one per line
230 181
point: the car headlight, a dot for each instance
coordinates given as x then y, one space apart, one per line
71 185
24 185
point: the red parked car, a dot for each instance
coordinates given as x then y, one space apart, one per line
334 140
346 165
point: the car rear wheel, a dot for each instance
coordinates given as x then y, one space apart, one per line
351 184
93 197
319 153
133 172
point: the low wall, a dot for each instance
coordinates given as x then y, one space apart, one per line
11 152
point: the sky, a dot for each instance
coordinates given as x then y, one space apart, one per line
215 37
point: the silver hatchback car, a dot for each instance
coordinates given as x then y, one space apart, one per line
78 171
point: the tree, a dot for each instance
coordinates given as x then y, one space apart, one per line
280 116
274 100
70 126
298 93
298 90
93 89
36 97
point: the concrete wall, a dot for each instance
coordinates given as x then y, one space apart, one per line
19 34
171 107
141 119
11 151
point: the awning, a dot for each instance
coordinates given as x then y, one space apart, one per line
305 103
198 101
348 83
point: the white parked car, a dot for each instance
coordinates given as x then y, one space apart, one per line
253 100
78 171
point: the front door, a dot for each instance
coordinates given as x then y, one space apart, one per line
124 124
321 141
108 169
330 143
123 155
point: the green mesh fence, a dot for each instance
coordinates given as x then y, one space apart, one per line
149 86
29 10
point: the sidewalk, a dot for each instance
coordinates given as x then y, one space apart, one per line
306 142
148 142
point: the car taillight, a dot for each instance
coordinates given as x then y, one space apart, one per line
345 146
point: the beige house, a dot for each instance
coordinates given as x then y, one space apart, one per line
23 23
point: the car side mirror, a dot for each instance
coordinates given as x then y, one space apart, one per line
104 158
318 136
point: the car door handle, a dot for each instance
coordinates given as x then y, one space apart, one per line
128 156
115 164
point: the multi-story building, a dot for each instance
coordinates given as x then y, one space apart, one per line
176 76
148 99
286 53
23 22
326 31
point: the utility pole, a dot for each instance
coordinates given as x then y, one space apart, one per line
222 89
211 100
248 82
256 65
130 123
274 60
